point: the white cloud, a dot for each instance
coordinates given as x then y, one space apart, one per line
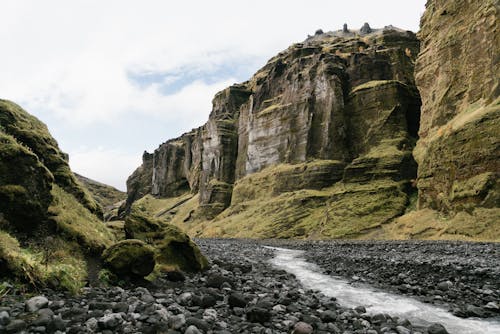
69 61
108 166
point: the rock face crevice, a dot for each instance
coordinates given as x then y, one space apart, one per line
345 99
458 75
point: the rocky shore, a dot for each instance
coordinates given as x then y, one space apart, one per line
243 293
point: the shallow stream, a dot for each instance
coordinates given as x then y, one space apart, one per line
347 295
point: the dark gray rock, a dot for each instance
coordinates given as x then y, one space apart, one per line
16 326
258 314
437 329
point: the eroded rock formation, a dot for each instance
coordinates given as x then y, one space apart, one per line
458 75
343 104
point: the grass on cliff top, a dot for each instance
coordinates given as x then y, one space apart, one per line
55 263
76 223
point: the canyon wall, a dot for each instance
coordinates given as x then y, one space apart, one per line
458 75
343 104
339 135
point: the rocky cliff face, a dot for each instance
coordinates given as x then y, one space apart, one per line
458 75
342 104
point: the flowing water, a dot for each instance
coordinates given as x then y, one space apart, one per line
418 313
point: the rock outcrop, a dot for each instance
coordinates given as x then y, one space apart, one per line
43 205
51 227
458 75
341 106
320 141
29 132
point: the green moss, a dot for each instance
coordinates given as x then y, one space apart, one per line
475 186
31 133
75 222
55 263
105 195
373 84
130 257
23 200
174 248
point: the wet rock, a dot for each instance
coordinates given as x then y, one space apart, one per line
437 329
198 323
445 286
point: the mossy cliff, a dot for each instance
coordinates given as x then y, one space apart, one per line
316 144
51 227
320 142
458 76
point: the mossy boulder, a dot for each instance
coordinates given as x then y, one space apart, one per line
130 257
25 185
174 248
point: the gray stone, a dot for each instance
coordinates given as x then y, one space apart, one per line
192 330
444 286
365 29
16 326
4 318
177 321
110 321
437 329
35 303
302 328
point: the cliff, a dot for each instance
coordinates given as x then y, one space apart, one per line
333 117
459 79
51 228
320 142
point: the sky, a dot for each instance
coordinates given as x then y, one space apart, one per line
112 78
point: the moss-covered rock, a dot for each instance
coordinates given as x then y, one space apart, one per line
174 248
34 135
130 257
42 204
25 185
457 74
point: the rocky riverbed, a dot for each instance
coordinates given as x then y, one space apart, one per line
244 293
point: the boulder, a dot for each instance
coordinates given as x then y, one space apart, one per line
175 250
130 257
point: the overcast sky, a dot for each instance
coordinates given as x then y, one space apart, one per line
114 78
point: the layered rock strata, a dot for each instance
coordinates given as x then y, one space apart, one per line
335 97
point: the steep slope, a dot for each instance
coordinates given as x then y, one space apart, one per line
49 223
103 194
51 228
458 153
317 143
